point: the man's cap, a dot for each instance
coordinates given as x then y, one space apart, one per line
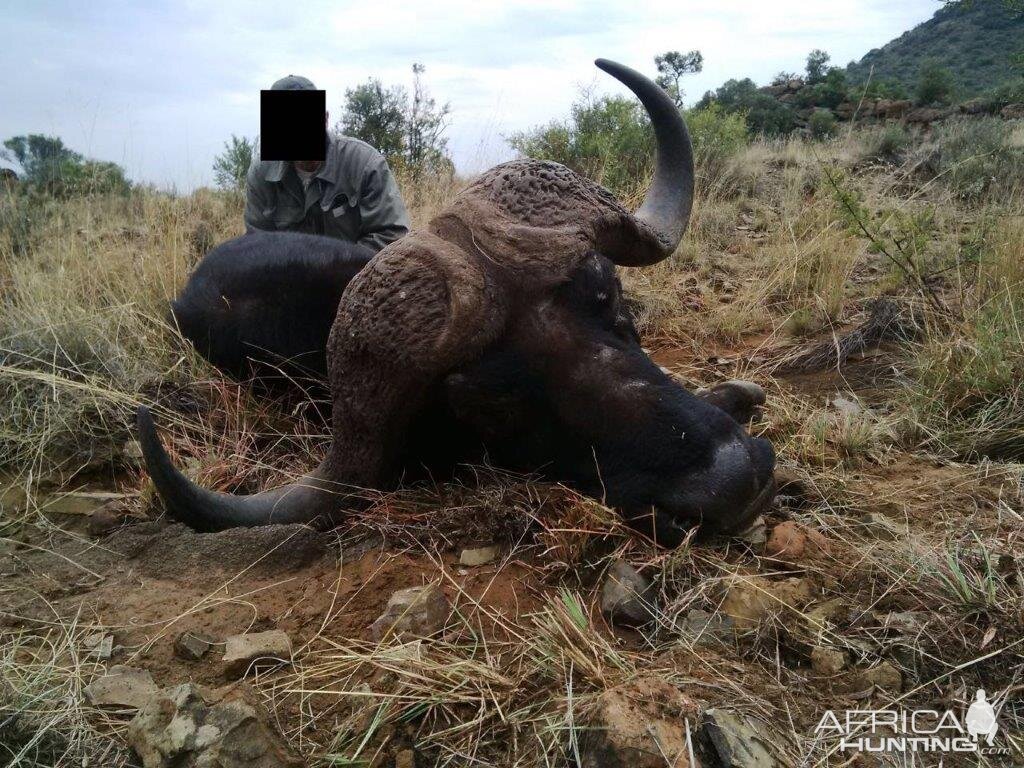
293 83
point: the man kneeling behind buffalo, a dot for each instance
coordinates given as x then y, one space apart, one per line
350 195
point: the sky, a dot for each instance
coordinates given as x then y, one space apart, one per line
159 86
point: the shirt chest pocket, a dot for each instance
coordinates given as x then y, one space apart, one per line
341 217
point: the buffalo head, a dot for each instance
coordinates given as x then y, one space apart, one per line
500 330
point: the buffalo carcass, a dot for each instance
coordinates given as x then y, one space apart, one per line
503 319
260 307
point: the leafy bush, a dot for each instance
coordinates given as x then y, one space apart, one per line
717 135
608 139
823 124
886 143
51 167
231 165
764 114
1011 92
935 84
828 91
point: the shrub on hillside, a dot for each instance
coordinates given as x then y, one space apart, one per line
764 114
978 158
607 139
823 124
935 84
717 136
886 143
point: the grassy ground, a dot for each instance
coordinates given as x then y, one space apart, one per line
882 267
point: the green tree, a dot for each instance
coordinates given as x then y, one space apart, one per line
607 139
935 83
426 122
55 169
764 113
672 65
409 132
231 165
376 115
817 66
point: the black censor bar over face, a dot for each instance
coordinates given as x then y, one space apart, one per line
292 125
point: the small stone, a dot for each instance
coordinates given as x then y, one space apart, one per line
241 652
131 451
795 544
640 724
846 407
100 645
627 597
881 527
413 612
479 556
122 686
405 758
706 628
755 535
192 646
178 729
750 599
884 676
726 738
107 519
827 661
79 502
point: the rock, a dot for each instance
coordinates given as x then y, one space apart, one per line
846 407
827 661
413 612
131 452
79 502
884 676
479 556
1012 112
627 597
755 535
974 107
795 84
640 724
107 519
732 740
100 645
881 527
750 599
845 110
177 729
926 115
405 758
794 544
705 628
262 550
122 686
242 651
192 646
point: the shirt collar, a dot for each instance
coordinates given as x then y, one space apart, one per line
277 168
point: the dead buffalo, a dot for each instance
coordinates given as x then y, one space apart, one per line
499 330
261 306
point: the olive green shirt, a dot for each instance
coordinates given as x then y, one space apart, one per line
353 196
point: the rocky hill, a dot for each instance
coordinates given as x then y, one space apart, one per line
977 40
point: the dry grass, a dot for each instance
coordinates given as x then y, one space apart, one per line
772 263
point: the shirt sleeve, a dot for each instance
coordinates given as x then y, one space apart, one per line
382 211
257 200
